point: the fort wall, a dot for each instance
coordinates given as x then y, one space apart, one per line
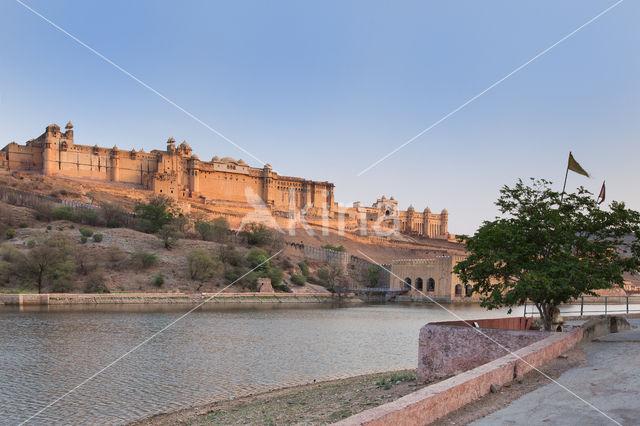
175 172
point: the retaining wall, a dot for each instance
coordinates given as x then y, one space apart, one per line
444 350
433 402
167 298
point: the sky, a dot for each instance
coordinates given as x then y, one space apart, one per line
324 89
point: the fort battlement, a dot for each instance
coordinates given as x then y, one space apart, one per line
179 174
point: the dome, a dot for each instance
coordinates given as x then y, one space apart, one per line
69 126
392 199
171 140
445 211
267 166
195 157
185 145
411 209
215 158
228 160
427 210
241 162
383 198
115 148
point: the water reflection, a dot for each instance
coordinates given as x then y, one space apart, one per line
216 352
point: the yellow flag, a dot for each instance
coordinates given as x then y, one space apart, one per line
574 166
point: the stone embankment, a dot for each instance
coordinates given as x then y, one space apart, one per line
167 298
438 400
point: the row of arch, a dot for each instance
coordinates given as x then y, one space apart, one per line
419 285
431 286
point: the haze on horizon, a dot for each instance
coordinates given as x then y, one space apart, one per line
324 90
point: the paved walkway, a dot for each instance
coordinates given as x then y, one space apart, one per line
610 380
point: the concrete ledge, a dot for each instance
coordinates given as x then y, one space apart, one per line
432 402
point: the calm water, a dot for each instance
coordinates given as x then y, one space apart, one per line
211 354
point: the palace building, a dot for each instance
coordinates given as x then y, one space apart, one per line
178 173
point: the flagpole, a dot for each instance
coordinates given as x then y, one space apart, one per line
566 174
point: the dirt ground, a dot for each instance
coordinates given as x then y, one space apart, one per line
319 403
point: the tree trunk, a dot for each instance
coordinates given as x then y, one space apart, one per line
546 315
40 282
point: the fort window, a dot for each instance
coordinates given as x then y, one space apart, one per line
468 290
431 284
419 284
458 290
387 213
407 283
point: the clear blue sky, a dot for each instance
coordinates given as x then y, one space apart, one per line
323 89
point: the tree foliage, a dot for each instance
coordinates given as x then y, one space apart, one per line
257 234
155 214
203 264
372 276
549 251
169 235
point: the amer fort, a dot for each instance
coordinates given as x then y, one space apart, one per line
179 174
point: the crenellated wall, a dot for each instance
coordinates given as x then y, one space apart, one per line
175 172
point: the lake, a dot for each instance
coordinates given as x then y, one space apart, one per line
216 352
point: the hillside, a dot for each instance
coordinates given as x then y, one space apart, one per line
115 261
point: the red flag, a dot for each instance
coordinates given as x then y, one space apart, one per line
602 194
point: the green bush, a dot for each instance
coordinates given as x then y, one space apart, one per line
258 259
88 216
230 255
10 233
63 213
113 214
276 274
83 239
158 280
203 264
98 237
257 234
145 259
334 248
95 283
48 227
23 224
155 214
31 243
298 279
304 268
85 232
205 229
282 287
169 236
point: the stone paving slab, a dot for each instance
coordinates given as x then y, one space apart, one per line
632 336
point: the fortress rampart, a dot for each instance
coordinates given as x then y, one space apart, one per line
175 172
179 174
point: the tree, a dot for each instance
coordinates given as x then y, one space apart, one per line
169 235
113 214
258 259
205 229
257 234
159 211
549 251
220 229
49 260
372 276
203 264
